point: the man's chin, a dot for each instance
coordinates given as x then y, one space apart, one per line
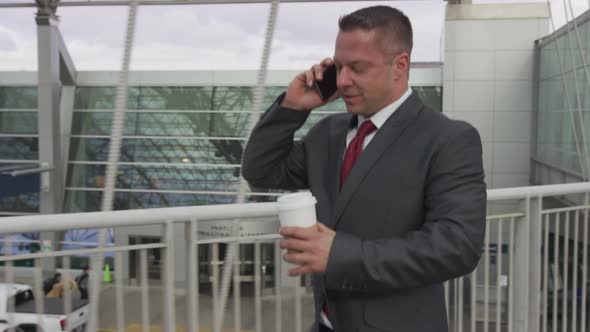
354 109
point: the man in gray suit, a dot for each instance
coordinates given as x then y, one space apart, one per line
400 187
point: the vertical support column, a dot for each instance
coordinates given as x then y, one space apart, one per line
48 103
49 94
527 279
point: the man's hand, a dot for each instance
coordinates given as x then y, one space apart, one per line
301 94
310 248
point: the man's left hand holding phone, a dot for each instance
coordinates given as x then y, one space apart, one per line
305 91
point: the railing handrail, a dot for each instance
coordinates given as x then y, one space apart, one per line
536 191
141 217
68 221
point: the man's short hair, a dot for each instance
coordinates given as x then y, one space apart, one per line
394 25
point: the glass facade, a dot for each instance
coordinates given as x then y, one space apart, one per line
18 144
563 100
181 145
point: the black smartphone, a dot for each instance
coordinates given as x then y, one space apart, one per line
327 86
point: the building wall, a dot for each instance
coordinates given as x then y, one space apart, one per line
488 81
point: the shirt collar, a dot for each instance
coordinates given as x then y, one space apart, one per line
381 116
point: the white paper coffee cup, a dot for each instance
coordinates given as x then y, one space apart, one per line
297 209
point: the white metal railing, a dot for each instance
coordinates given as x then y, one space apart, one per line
532 275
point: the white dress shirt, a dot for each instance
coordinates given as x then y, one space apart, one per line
378 119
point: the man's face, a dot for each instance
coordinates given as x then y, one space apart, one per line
366 77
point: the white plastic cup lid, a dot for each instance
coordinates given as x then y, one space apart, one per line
296 200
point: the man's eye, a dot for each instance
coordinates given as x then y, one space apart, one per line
356 69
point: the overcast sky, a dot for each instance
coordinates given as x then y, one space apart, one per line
216 36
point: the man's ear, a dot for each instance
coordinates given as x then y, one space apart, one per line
401 64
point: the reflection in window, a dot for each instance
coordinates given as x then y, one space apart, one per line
79 201
180 127
18 97
559 125
19 148
162 150
26 203
20 122
157 177
189 124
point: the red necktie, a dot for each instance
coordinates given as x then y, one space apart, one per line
355 148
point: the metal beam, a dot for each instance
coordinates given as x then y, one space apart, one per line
67 69
159 2
32 171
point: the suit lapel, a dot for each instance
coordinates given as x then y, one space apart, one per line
338 132
385 137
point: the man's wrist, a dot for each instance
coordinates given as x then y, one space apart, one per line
292 106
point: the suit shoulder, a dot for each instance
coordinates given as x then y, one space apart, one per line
444 127
326 123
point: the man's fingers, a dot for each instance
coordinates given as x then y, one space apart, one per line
297 232
323 228
300 270
298 258
327 62
318 71
309 78
294 244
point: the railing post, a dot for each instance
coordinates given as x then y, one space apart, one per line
527 256
192 305
168 278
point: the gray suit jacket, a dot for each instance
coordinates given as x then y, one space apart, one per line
410 216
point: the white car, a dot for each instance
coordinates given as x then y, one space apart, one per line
5 327
24 317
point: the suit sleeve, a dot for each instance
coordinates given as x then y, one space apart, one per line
272 159
449 243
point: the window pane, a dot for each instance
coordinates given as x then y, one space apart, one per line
175 98
18 97
162 150
158 177
18 122
20 203
232 124
78 201
91 201
103 98
94 123
431 96
19 148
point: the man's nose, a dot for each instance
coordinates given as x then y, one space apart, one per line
343 79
